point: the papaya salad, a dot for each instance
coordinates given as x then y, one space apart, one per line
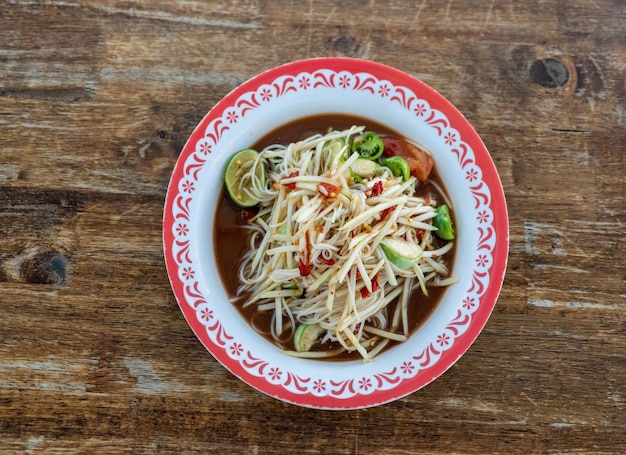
339 239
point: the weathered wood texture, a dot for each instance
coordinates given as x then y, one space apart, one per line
96 101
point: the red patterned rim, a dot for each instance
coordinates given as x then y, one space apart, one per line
317 84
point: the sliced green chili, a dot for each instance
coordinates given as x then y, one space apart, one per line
398 166
369 145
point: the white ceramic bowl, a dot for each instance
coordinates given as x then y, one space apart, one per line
406 105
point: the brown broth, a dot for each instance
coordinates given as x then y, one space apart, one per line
231 241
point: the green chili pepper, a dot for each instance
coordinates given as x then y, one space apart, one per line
369 145
398 166
443 223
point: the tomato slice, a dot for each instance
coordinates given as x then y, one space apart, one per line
420 162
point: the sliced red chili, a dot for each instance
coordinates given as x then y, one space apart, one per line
330 261
291 186
375 287
375 190
328 190
305 269
355 270
375 284
387 211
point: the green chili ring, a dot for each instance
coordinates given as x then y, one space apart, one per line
369 146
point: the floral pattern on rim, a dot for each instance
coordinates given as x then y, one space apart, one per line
450 137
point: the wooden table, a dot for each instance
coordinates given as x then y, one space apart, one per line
96 101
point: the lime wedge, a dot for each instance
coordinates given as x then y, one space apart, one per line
306 336
401 253
238 177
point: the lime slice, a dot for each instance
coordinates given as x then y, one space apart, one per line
306 336
401 253
238 178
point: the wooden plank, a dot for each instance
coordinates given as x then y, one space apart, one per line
96 102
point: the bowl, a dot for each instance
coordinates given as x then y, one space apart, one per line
406 105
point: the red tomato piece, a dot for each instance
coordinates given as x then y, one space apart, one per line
420 162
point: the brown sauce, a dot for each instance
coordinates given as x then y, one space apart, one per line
231 242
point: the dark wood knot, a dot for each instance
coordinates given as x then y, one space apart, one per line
47 267
549 72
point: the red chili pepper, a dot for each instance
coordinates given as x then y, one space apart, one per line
375 284
387 211
305 269
375 287
327 261
328 190
358 273
375 190
291 186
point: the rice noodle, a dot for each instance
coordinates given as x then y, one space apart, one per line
315 255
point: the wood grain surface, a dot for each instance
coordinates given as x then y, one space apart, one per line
97 98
